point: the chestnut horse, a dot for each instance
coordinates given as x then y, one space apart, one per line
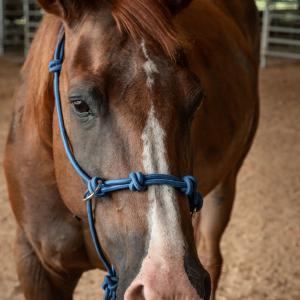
163 86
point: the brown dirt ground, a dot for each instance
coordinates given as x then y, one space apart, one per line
261 246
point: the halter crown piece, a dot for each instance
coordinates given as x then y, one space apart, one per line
99 188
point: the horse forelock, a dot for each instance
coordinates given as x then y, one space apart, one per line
147 19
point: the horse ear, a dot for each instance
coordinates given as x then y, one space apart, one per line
177 5
66 9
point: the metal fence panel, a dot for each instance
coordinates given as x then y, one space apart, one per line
19 20
280 30
1 27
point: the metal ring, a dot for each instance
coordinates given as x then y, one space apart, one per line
92 195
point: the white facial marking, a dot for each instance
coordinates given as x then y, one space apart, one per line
149 66
166 236
162 272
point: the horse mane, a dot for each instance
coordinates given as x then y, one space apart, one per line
147 19
35 75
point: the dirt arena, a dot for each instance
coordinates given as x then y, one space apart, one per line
261 246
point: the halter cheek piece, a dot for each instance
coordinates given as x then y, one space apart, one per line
98 188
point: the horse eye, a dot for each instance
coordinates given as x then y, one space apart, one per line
196 102
81 106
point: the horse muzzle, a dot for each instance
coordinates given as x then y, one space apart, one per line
159 279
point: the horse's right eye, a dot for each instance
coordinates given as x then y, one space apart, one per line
81 106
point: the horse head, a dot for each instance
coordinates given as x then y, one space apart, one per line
129 97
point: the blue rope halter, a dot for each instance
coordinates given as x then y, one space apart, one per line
98 188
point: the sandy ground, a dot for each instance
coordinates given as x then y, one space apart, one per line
261 246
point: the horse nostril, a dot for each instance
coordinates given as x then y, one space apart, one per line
137 293
140 292
207 287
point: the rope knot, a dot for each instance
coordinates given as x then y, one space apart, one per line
94 188
137 183
55 65
110 285
190 185
191 190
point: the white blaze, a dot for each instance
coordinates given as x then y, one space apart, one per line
149 66
166 233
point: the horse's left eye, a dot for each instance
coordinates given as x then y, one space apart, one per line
80 106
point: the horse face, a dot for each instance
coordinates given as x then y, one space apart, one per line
129 107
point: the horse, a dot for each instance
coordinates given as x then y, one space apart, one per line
157 86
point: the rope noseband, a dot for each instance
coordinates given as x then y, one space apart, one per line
99 188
